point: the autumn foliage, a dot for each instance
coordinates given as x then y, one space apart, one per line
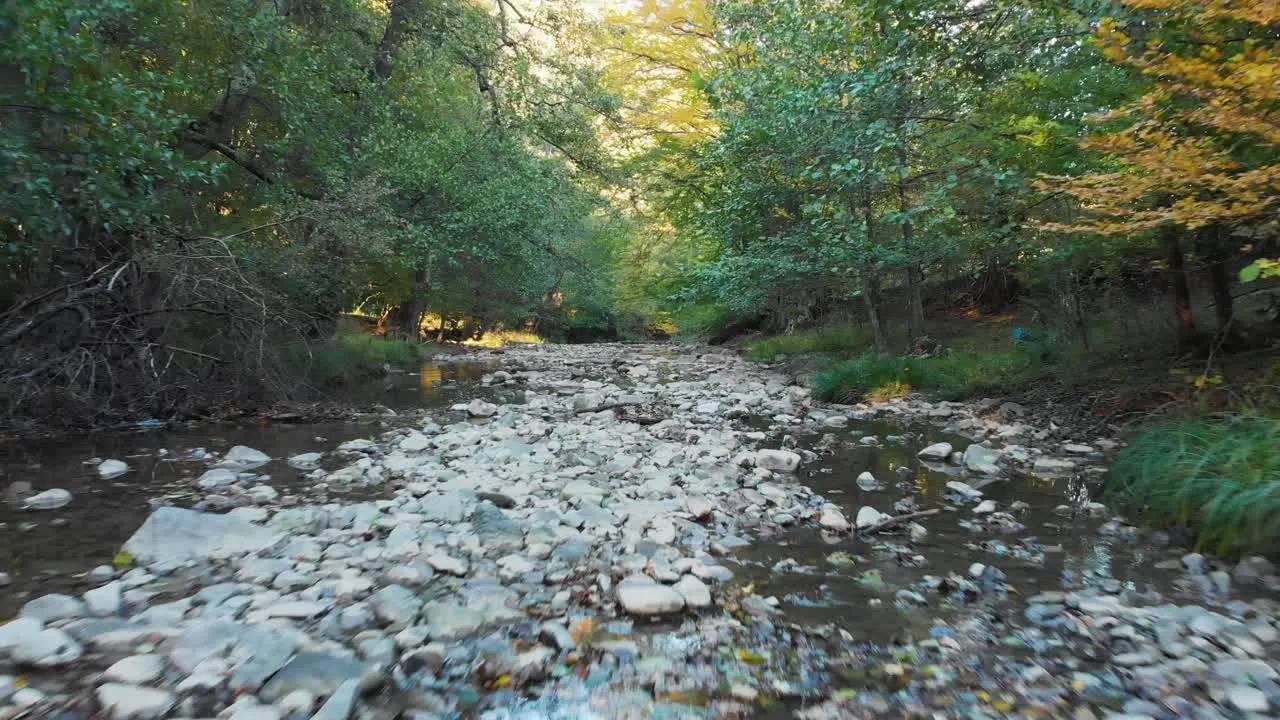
1199 148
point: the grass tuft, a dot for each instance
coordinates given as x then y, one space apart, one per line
1218 476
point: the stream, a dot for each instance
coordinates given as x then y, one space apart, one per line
614 531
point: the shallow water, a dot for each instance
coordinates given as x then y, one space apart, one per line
1051 553
47 550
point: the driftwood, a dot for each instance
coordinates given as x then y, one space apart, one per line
898 520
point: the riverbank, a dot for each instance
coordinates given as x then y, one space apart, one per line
652 531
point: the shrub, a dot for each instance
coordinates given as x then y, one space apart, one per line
1218 476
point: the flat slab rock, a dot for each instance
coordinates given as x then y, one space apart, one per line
173 534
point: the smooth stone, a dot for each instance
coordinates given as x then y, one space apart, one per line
109 469
54 606
480 409
869 516
130 702
136 670
173 535
341 703
242 457
104 601
640 595
305 461
1247 699
936 451
783 461
51 499
982 459
833 519
316 672
695 592
47 648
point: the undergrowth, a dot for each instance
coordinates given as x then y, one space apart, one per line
1217 476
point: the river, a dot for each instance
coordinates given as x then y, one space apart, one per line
614 531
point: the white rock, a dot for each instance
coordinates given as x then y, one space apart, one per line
298 701
481 409
306 461
297 609
414 442
51 499
104 601
242 457
1247 699
447 563
109 469
19 631
982 459
783 461
175 535
136 670
834 519
588 402
868 516
130 702
985 507
963 489
695 592
936 451
640 595
48 648
1050 466
699 507
216 478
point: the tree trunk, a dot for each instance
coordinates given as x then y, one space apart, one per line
915 275
871 285
871 298
1210 247
915 301
1181 290
411 326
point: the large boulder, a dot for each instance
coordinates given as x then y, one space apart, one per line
176 535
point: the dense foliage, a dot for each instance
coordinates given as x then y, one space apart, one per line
892 154
189 189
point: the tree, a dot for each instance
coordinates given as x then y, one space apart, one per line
1199 151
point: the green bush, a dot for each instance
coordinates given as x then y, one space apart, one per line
1218 476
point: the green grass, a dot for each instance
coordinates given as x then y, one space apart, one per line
818 341
1218 476
952 375
354 354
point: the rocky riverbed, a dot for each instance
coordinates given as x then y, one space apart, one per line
649 532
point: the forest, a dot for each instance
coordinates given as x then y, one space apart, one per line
196 193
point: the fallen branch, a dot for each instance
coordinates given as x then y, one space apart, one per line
898 520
